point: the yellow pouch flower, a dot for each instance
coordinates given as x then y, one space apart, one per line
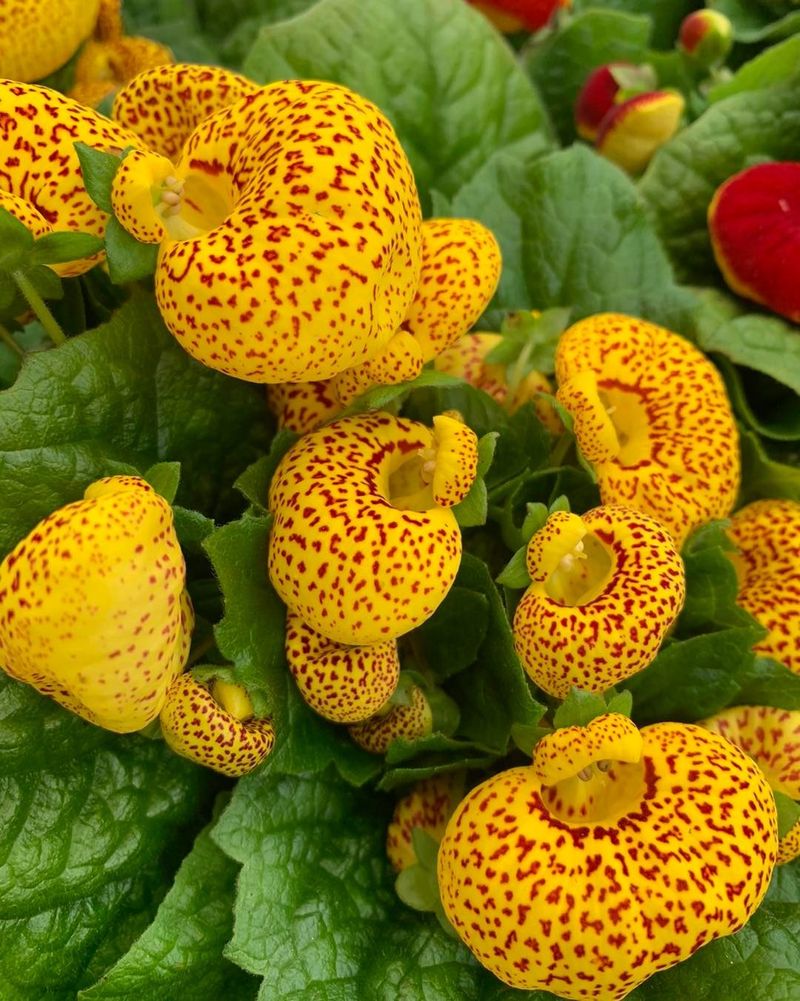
38 36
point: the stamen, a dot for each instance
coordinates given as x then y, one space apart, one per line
585 773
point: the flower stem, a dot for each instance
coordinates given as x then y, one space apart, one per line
9 341
39 306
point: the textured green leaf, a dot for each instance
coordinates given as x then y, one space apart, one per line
452 113
684 174
711 583
764 477
450 640
128 259
573 233
179 956
98 169
91 824
60 247
665 15
776 64
756 22
164 478
120 396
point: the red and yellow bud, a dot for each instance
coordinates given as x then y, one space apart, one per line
632 131
606 848
401 722
706 36
93 607
753 221
215 727
520 15
597 98
428 806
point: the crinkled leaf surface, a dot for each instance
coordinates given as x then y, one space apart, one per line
93 829
665 15
452 112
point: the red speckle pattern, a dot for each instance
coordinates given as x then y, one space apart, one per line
767 533
39 167
345 684
619 631
302 406
315 266
427 806
684 469
352 566
589 910
164 105
570 749
401 723
38 36
198 728
93 610
456 460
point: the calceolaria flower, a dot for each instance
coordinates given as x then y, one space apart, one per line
706 36
427 806
396 722
606 587
753 220
303 406
605 860
364 546
46 126
767 534
520 15
215 727
771 737
345 684
302 190
651 414
38 36
93 607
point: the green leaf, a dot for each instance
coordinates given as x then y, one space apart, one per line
762 476
61 247
620 702
529 343
164 478
193 528
542 212
16 242
788 812
417 888
254 482
98 169
665 16
711 583
473 509
92 824
774 65
768 683
755 22
562 62
515 573
128 259
251 636
120 397
450 639
452 114
179 956
383 397
578 709
684 174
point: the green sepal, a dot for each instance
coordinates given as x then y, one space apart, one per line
98 169
164 478
128 259
580 707
788 812
473 510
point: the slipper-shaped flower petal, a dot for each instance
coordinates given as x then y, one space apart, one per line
292 249
607 860
427 806
303 406
632 132
767 534
771 737
345 684
753 220
519 15
40 168
105 65
38 36
606 587
359 548
676 455
93 610
408 722
215 727
164 105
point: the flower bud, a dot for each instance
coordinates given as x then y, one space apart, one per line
706 36
632 132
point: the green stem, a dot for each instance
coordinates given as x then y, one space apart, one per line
39 306
9 341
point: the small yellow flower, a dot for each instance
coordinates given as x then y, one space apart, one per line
652 414
771 737
38 36
289 230
215 727
409 722
104 66
427 806
606 587
94 611
42 184
345 684
606 860
360 549
767 534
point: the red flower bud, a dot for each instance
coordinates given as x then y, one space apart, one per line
706 36
634 130
520 15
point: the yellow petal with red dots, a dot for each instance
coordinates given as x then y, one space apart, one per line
104 66
197 727
427 806
678 459
93 610
460 271
38 36
401 723
165 104
589 886
455 460
302 406
767 534
345 684
343 555
568 751
633 130
606 588
38 128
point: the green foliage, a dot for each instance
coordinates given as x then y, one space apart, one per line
128 259
164 478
